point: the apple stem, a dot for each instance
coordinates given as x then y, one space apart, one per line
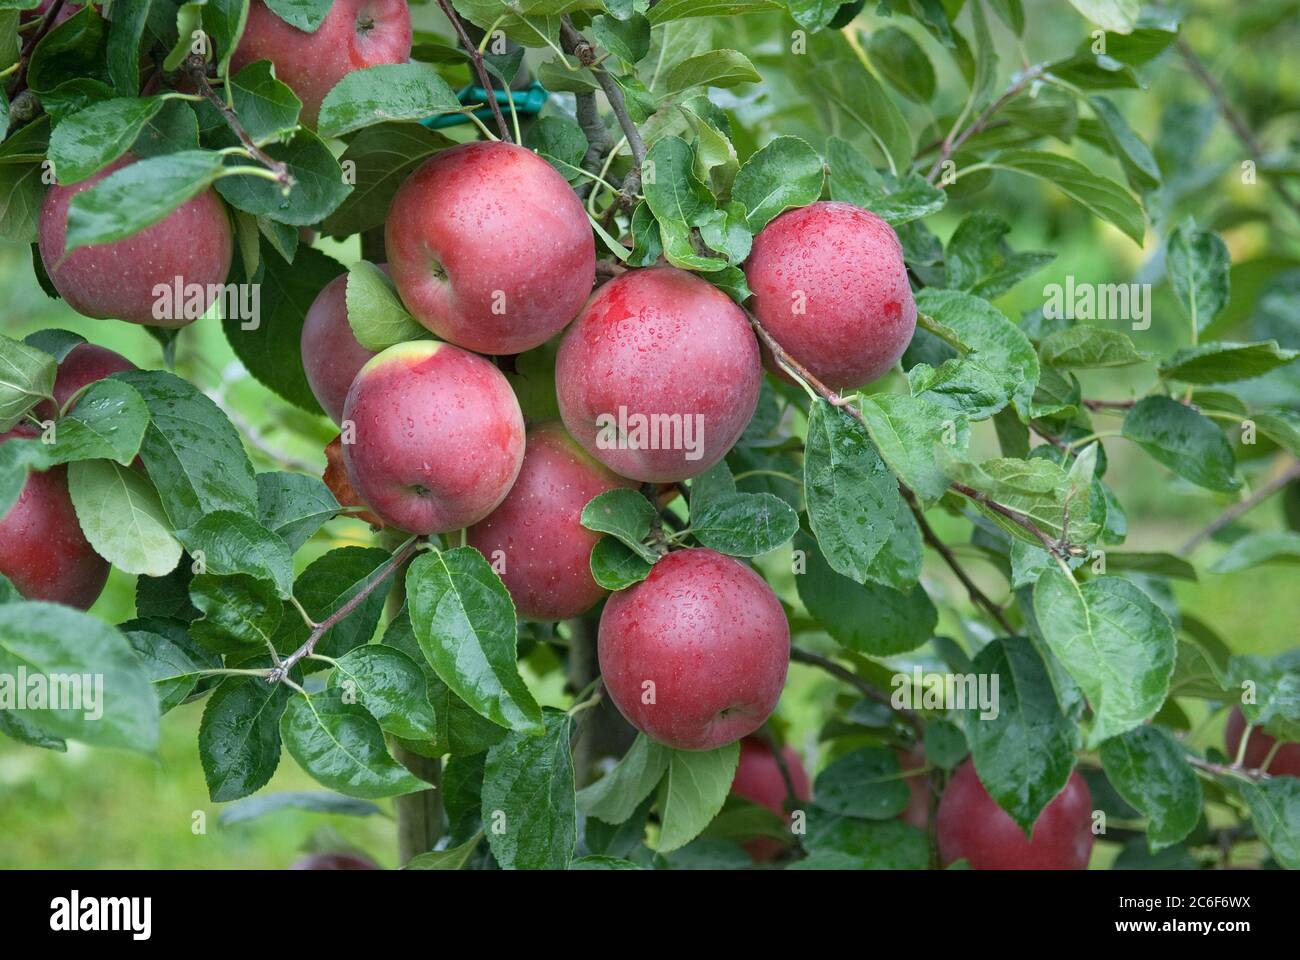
800 655
197 69
476 58
405 552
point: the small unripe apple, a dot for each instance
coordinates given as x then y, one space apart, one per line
354 35
490 248
439 436
42 549
973 827
83 365
696 654
334 861
1286 762
758 779
331 354
831 288
125 279
535 540
659 375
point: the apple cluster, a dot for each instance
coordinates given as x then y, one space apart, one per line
491 251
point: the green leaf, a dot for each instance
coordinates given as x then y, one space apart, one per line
464 621
615 566
1140 168
1024 751
627 38
375 312
786 173
624 514
679 201
293 506
745 524
319 186
342 747
902 62
529 806
123 49
906 431
325 586
855 100
138 196
239 736
847 843
1225 362
461 731
108 422
1198 262
393 91
383 156
993 344
693 792
717 68
865 783
1184 441
869 618
271 349
855 181
979 260
851 492
454 858
1114 641
560 142
26 378
1276 687
312 801
90 139
668 10
192 452
224 542
306 15
391 686
122 517
615 796
1266 546
1102 196
267 107
1037 489
1151 772
1085 347
1117 15
170 657
240 613
86 661
1275 808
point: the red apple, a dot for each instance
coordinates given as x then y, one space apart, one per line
42 549
1286 762
543 548
439 437
354 35
125 279
917 811
331 355
659 375
490 248
695 655
334 861
758 779
831 287
83 365
972 826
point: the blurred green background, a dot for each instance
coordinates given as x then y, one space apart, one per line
109 809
